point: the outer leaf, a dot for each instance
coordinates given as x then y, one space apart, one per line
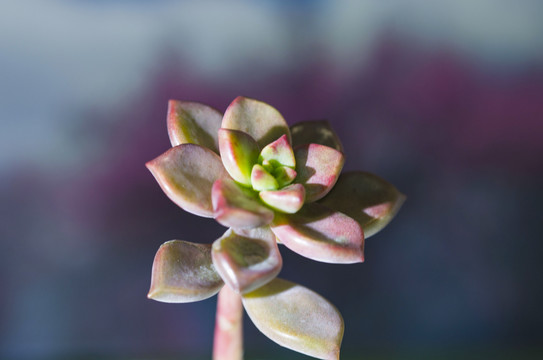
239 152
186 174
321 234
246 262
296 318
183 272
238 207
191 122
262 180
288 200
315 132
256 118
278 152
318 168
367 198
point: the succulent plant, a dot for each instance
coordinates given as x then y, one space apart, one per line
268 184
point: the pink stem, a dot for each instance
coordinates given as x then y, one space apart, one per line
228 342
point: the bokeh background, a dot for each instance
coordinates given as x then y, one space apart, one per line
442 98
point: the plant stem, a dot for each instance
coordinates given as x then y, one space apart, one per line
228 342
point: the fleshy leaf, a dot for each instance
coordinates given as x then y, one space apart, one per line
318 168
186 174
288 200
194 123
262 180
238 207
263 232
278 152
183 272
367 198
297 318
246 262
322 234
256 118
284 175
239 152
315 132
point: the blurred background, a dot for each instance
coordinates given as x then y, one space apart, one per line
443 99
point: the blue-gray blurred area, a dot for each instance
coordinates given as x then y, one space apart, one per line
444 99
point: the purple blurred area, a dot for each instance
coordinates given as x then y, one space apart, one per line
442 99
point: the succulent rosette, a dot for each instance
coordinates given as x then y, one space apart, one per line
268 184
